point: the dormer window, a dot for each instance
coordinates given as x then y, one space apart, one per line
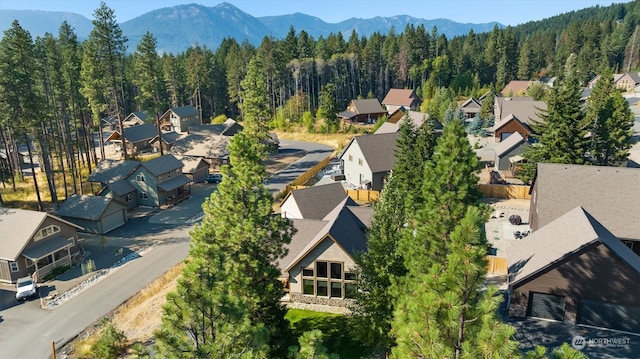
140 178
46 232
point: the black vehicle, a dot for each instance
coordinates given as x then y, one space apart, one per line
213 178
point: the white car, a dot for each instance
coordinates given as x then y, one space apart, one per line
26 288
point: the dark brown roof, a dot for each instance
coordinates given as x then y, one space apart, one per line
608 193
561 238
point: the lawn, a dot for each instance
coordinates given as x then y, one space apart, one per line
339 336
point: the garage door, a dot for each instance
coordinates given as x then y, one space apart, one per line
547 306
112 221
608 315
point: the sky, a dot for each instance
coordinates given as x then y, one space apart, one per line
506 12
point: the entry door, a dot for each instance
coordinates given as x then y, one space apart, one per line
547 306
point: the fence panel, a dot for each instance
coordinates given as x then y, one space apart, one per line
505 191
497 265
363 195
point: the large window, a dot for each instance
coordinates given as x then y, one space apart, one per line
328 279
14 266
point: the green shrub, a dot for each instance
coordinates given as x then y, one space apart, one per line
111 342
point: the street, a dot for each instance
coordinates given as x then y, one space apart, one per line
26 330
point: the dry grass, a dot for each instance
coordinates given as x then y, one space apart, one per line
337 141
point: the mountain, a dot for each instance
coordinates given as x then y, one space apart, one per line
179 27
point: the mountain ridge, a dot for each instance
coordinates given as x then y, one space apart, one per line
192 23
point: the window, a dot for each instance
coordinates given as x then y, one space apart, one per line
46 232
128 197
336 290
143 195
140 178
307 272
349 290
307 286
350 157
14 266
349 276
321 269
336 270
321 288
30 263
360 161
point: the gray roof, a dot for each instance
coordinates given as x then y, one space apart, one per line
418 119
167 137
341 225
190 163
162 164
504 147
108 171
121 187
369 105
306 230
561 238
141 115
201 146
173 183
524 108
17 227
379 150
347 114
401 97
185 111
608 193
317 201
44 248
142 132
363 213
228 128
85 207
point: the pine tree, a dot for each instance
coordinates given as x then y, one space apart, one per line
311 347
609 123
558 137
327 109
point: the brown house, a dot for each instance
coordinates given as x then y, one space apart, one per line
574 269
606 192
510 125
34 243
363 111
397 98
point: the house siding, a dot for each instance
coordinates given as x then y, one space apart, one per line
329 251
149 186
290 209
595 273
511 127
353 171
502 162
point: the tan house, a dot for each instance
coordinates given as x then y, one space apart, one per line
367 160
574 269
516 88
34 243
397 98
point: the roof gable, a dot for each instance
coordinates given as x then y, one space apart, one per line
86 207
514 140
379 150
317 201
185 111
567 235
400 97
515 88
369 105
108 171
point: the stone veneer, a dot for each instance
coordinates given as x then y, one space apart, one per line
310 299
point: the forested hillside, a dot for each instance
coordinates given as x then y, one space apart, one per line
58 99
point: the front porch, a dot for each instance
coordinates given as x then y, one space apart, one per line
47 256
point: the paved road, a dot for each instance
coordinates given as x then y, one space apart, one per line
26 331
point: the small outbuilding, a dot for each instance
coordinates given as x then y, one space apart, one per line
94 214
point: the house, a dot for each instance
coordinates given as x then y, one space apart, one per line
110 123
196 168
160 182
109 171
506 150
168 139
179 119
510 125
524 108
94 214
137 137
212 148
228 128
319 267
363 111
397 98
470 108
516 88
392 124
314 202
34 243
134 119
608 193
574 269
122 191
367 159
627 81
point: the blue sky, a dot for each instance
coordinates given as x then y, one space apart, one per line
507 12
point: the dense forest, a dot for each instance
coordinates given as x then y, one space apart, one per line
54 90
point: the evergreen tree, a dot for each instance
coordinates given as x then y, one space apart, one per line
609 123
558 137
327 109
311 347
148 77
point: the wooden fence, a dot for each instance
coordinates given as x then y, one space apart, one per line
497 265
505 191
305 177
363 195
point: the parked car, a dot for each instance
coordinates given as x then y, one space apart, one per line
213 178
25 288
